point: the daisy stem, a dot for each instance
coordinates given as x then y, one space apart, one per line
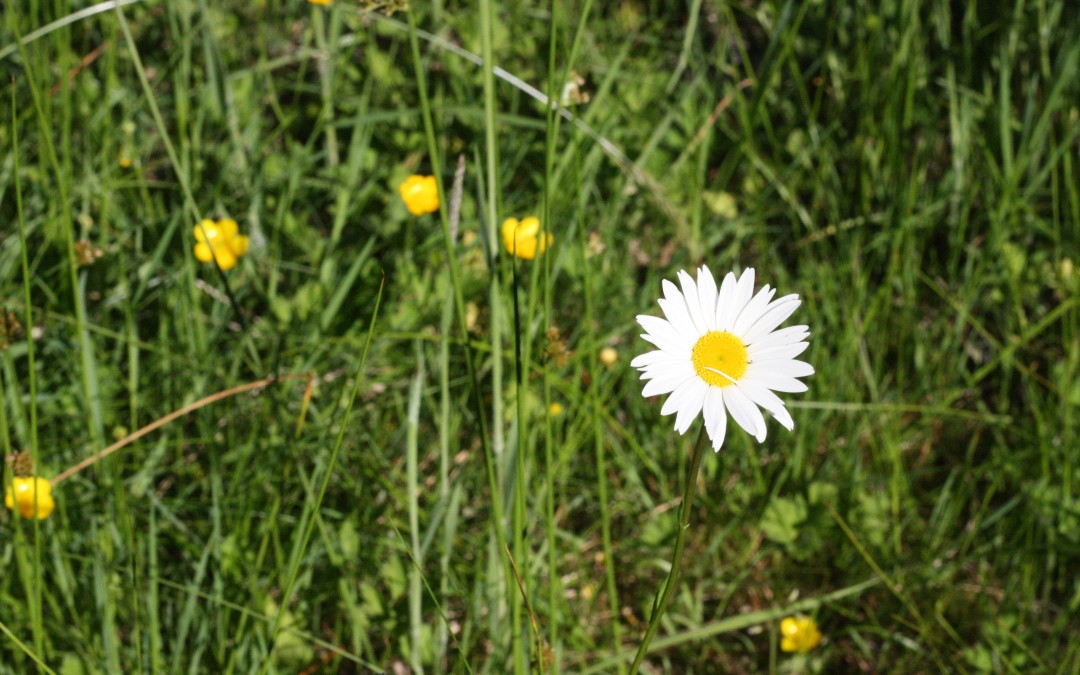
676 559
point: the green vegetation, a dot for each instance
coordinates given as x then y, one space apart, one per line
400 496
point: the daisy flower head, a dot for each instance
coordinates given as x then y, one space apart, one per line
719 352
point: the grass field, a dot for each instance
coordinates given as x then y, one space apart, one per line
398 448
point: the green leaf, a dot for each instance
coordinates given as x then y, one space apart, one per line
1015 260
782 518
349 540
393 573
872 517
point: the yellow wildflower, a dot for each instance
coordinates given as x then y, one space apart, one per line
420 194
608 356
522 239
320 2
220 240
555 409
799 634
23 491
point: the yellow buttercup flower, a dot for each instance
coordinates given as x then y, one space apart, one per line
220 240
320 2
522 239
555 409
799 634
22 493
420 194
608 356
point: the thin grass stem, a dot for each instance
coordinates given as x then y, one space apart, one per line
490 459
308 528
599 451
495 296
412 485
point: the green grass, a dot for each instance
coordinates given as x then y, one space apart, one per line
909 168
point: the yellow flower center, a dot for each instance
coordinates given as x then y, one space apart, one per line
720 358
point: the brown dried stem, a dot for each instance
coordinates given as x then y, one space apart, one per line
212 398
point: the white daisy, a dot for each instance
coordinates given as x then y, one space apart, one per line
718 351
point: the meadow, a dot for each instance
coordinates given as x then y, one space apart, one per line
363 440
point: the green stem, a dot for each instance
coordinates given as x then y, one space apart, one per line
596 399
498 441
680 541
325 68
28 298
412 446
521 553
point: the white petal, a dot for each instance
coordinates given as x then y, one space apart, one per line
789 367
725 303
661 369
671 405
768 400
744 290
774 315
693 304
707 296
675 308
662 334
668 382
665 368
745 413
663 356
753 311
672 293
678 398
688 411
774 381
784 336
715 417
674 368
781 352
676 314
649 358
654 324
784 418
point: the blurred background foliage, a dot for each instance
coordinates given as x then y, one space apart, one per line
909 168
